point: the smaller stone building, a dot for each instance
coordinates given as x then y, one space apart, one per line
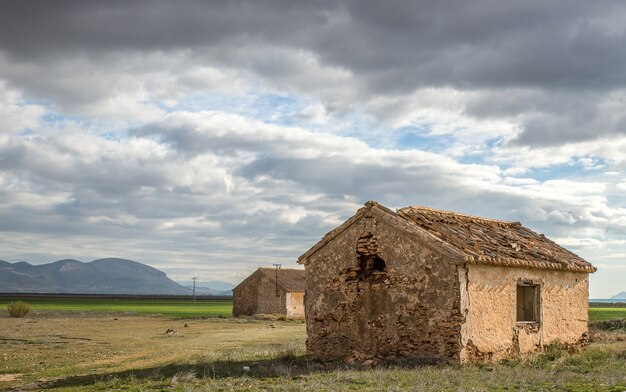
270 291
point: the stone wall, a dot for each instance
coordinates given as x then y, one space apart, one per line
410 308
268 302
489 301
257 294
245 296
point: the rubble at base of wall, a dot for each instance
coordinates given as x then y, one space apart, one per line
474 354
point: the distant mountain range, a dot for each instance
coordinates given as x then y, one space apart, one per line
103 276
621 295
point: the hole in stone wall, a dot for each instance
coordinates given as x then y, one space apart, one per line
379 264
368 259
362 262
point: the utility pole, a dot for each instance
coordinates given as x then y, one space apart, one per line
276 280
194 288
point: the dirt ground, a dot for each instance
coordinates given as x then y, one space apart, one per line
51 346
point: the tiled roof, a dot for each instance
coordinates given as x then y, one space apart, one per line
288 278
490 241
478 240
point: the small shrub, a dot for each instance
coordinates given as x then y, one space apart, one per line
18 309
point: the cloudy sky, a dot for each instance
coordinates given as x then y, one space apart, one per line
209 138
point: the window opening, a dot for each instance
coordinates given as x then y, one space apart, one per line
528 302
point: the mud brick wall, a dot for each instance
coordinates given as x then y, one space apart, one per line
356 311
489 299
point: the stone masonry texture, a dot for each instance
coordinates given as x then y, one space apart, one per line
380 288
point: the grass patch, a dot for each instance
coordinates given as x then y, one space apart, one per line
599 370
174 309
606 313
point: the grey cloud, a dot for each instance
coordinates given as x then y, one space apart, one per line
41 158
479 43
522 41
552 117
390 49
33 28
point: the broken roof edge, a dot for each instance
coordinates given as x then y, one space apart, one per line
409 226
471 218
590 267
505 261
472 258
372 205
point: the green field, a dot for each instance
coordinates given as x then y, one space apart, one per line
596 314
188 309
175 309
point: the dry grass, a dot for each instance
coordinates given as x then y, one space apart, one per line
132 353
44 347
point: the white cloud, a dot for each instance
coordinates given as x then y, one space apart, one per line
315 114
16 114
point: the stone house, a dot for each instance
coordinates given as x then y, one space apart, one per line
424 283
270 291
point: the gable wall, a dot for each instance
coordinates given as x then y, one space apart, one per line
267 301
489 301
245 296
412 311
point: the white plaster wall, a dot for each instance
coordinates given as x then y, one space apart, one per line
295 304
488 301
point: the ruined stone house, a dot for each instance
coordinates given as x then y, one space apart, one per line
419 282
270 291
